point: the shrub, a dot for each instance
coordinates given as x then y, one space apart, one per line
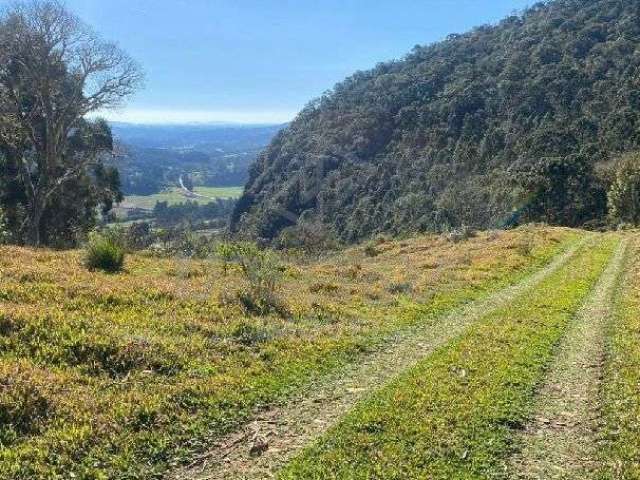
624 194
139 236
370 249
262 272
104 252
381 239
325 314
249 334
322 287
354 271
170 242
23 409
526 245
308 236
400 288
460 234
226 252
193 245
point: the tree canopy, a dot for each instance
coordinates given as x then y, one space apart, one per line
54 71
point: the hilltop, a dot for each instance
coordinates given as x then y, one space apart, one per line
462 132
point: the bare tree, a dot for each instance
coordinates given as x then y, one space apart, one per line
54 70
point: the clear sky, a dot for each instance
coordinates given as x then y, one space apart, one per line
260 61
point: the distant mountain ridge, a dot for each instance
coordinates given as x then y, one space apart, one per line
433 140
202 137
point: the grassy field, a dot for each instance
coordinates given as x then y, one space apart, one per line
176 195
469 396
129 375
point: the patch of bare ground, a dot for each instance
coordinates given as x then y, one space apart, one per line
259 448
561 440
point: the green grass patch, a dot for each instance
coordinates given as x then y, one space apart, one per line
620 393
176 195
454 415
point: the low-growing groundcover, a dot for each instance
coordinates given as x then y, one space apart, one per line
123 376
453 415
620 395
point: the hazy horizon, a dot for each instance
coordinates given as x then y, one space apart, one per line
260 62
153 118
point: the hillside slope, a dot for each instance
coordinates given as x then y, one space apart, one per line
127 375
434 140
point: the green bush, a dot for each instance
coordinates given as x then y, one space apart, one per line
104 252
396 288
370 249
263 273
624 194
249 334
310 237
139 236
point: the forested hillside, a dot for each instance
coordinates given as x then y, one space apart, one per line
511 122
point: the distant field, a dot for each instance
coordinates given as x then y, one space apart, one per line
176 195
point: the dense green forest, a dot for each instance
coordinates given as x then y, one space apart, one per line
191 213
519 121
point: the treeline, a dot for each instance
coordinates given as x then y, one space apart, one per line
525 120
214 214
54 72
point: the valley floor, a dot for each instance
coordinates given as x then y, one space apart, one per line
175 195
509 355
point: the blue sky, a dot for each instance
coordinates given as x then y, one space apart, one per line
260 61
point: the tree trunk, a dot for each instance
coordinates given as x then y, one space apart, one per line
35 223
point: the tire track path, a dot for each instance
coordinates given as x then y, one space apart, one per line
561 440
258 449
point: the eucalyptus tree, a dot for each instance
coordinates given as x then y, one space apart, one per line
54 73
